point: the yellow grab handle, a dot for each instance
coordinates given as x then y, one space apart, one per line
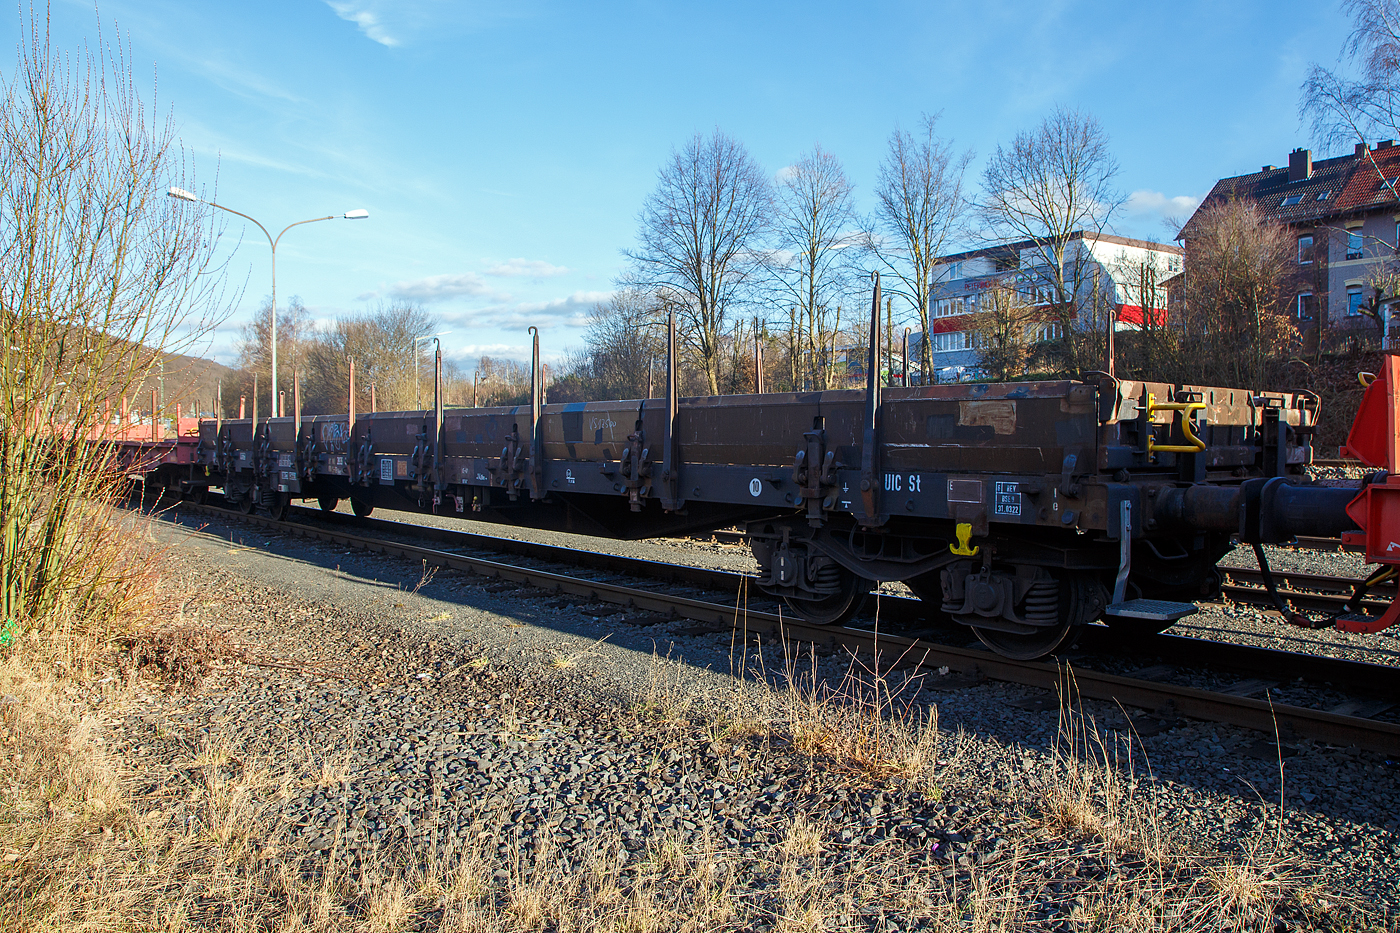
1196 446
964 532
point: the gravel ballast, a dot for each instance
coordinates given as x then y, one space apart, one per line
429 712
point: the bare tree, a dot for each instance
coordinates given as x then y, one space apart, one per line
99 272
1050 183
814 227
1345 107
699 234
626 340
295 331
503 382
1001 331
1240 273
919 209
383 343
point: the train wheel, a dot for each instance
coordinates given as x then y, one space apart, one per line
328 503
249 501
360 507
199 495
1028 647
836 608
278 505
1082 598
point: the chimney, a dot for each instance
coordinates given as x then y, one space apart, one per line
1268 168
1385 144
1360 149
1299 165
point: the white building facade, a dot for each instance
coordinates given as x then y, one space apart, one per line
1111 274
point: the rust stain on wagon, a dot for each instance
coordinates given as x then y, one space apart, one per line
998 414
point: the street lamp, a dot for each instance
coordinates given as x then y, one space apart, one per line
417 395
180 194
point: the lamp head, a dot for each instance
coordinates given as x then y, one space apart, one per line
359 214
181 194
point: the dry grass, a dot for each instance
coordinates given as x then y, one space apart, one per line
84 850
84 853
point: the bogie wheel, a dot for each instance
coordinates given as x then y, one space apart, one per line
360 507
1081 599
249 501
278 505
1028 647
199 495
328 503
836 608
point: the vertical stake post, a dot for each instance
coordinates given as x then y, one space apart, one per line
670 481
437 419
1108 349
296 417
350 410
536 388
869 454
757 360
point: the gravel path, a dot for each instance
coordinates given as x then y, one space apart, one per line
429 713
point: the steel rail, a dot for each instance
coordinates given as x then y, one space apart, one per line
1068 681
1377 679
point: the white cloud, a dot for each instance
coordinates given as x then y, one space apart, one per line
784 173
1146 202
559 312
534 268
442 288
358 12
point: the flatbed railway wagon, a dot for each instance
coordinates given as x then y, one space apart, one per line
1022 510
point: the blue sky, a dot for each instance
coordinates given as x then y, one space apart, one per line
503 149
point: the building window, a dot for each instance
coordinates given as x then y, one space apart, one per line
1397 236
1046 332
1305 249
955 271
1305 306
1324 195
1354 301
1291 200
1353 244
952 340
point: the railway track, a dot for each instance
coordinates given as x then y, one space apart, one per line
1302 542
1304 590
1376 688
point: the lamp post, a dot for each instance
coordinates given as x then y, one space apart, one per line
417 395
180 194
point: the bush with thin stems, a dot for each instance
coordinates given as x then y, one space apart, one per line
99 272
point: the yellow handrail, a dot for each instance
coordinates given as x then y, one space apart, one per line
1196 446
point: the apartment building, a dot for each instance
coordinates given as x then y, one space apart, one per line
1344 214
1115 275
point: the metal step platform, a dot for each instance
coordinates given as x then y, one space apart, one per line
1157 610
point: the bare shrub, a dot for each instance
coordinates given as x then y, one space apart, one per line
98 272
